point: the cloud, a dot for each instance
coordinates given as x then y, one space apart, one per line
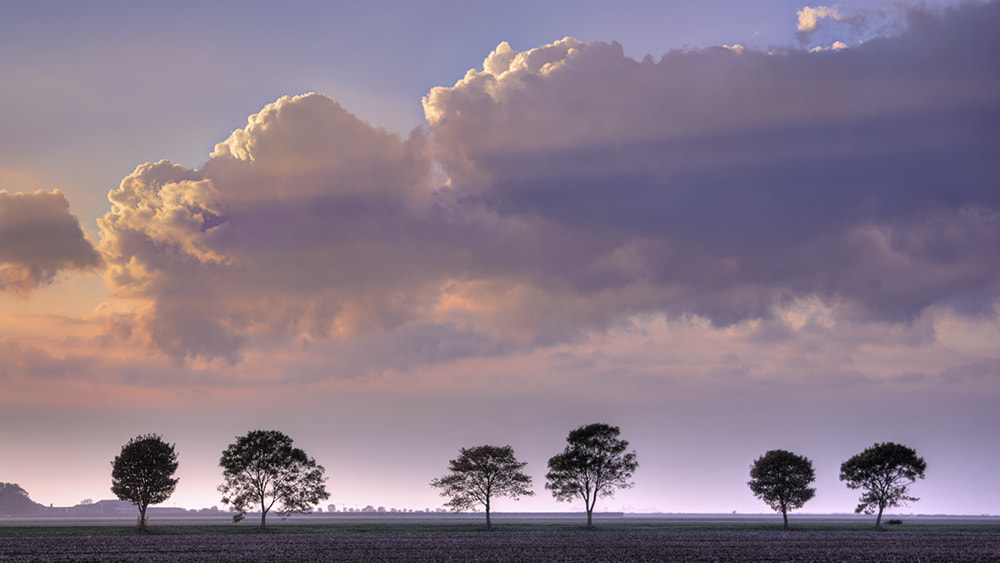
21 359
811 20
809 17
836 46
566 189
298 225
39 239
721 184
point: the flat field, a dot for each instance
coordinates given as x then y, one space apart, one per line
670 539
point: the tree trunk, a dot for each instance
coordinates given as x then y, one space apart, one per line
261 494
878 519
590 503
142 518
784 514
489 525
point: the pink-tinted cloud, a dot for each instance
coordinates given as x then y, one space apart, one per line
40 239
298 226
567 188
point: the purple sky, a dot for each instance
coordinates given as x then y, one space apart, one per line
397 229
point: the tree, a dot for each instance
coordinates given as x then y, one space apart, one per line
480 474
883 471
143 473
593 463
14 501
781 479
263 469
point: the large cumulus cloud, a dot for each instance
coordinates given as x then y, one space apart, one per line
39 239
722 182
297 225
567 187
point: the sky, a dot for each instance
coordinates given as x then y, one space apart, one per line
395 229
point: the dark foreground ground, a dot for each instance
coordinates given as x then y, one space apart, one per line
512 546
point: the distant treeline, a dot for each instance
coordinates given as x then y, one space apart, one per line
15 501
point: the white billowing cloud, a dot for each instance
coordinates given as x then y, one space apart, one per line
810 21
809 17
836 46
815 19
504 70
308 146
304 207
584 188
39 239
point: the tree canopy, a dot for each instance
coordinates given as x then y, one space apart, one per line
14 501
594 463
480 474
781 479
143 473
884 471
262 469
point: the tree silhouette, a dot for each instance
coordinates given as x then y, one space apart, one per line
143 473
481 473
781 479
263 469
14 501
594 463
883 471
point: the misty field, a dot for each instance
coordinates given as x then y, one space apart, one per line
502 545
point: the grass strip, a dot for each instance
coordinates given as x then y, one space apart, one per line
183 530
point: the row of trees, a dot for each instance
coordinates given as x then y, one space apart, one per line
884 472
262 469
595 462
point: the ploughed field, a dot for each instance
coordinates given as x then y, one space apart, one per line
519 545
